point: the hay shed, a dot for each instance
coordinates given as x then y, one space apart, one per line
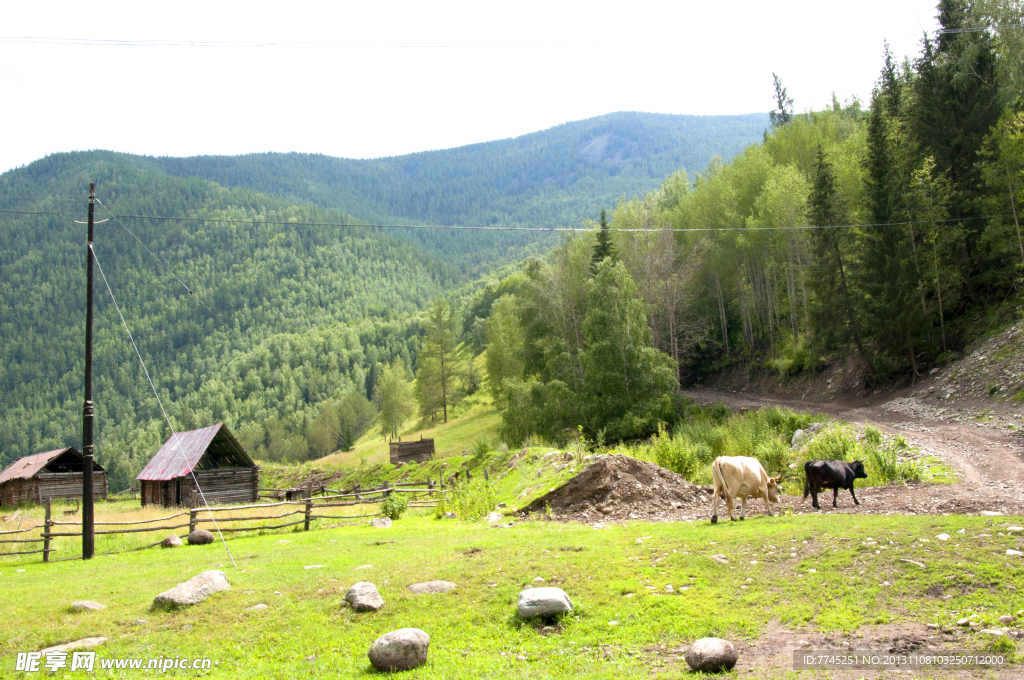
52 474
213 457
407 452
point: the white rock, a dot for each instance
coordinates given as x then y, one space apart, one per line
428 587
84 643
543 602
381 522
539 579
721 559
1014 553
1015 528
798 438
364 597
192 591
314 566
87 606
709 655
256 608
990 513
171 541
365 566
400 650
943 537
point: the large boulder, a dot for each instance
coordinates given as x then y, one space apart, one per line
799 437
171 541
400 650
200 537
711 655
431 587
543 602
192 591
381 522
364 597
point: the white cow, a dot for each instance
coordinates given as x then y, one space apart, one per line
739 477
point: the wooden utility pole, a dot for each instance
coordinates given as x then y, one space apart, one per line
88 544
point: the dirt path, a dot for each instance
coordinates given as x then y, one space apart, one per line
980 439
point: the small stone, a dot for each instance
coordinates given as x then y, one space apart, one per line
1014 553
284 540
994 632
669 588
962 531
431 587
543 602
187 627
449 515
963 622
84 643
1014 529
813 571
310 658
721 559
1007 620
613 623
192 591
365 566
400 650
539 579
990 513
933 626
709 655
381 522
87 606
754 562
171 541
314 566
943 537
256 608
200 537
139 622
364 597
502 505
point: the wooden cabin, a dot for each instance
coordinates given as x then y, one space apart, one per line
213 457
53 474
407 452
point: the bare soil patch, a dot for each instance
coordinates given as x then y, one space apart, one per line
623 488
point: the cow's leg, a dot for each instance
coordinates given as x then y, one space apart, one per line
855 501
768 505
743 508
714 507
728 503
835 494
814 498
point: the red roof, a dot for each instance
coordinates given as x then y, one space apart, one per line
27 467
179 455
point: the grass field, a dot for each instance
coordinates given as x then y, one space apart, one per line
617 574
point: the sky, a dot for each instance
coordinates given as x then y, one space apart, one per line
364 80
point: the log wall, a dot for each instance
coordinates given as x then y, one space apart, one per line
227 485
405 452
53 485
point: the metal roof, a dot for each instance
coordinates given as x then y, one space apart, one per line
182 453
27 467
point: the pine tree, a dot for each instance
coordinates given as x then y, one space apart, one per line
604 246
438 370
783 103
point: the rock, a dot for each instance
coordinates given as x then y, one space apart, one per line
364 597
963 622
990 513
943 537
721 559
798 438
933 371
200 537
543 602
139 622
365 566
192 591
87 606
539 579
256 608
171 541
994 632
310 658
428 587
381 522
449 515
1014 529
314 566
709 655
503 505
84 643
400 650
1014 553
1007 620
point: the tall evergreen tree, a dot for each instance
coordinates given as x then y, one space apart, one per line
439 361
783 105
604 247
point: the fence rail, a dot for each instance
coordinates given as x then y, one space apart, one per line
309 507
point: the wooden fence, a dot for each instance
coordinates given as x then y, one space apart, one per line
308 507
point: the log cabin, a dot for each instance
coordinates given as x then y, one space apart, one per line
53 474
210 456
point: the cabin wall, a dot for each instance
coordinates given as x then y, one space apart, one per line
68 485
228 485
17 491
405 452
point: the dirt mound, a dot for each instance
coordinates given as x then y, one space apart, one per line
620 488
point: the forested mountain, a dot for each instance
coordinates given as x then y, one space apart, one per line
299 314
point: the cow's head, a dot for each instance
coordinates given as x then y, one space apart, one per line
858 469
773 489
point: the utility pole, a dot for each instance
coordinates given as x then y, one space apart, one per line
88 546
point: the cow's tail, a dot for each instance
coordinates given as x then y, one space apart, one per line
718 478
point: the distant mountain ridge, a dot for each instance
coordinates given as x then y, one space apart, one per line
553 177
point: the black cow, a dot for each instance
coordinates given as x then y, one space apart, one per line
831 474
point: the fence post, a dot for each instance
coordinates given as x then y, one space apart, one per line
309 511
487 477
430 487
309 490
469 475
386 491
46 533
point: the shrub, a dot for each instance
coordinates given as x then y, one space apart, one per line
835 442
872 435
885 463
773 454
481 448
394 505
472 500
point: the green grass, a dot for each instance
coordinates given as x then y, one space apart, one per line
475 632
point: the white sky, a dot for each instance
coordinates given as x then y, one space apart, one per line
388 78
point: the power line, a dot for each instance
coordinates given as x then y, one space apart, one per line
114 42
174 435
37 212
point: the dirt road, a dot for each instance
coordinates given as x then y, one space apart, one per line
983 440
